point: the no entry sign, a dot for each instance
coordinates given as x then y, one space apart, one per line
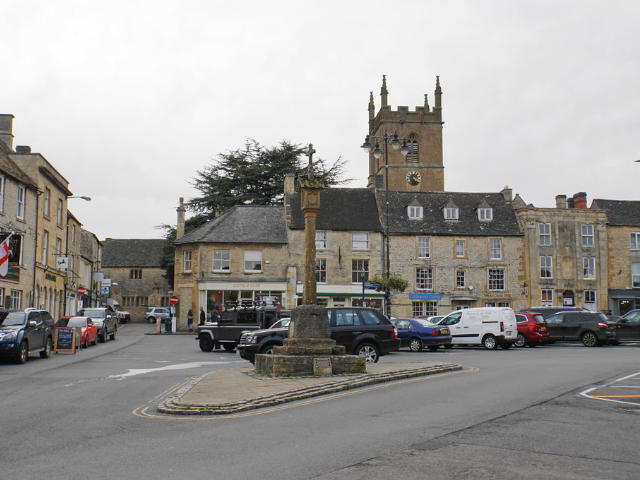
82 291
173 300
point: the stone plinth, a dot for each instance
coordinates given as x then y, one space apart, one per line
302 365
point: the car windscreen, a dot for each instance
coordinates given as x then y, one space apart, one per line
14 319
538 317
282 323
76 322
93 312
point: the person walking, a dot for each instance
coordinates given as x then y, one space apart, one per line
202 316
190 320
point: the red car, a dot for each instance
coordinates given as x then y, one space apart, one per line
89 331
532 329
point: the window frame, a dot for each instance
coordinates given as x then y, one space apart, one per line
355 243
424 278
246 254
424 247
321 273
3 182
321 239
415 212
496 281
220 260
45 247
359 273
587 236
461 274
46 205
463 242
636 236
635 284
187 261
589 268
485 214
549 293
544 267
451 214
59 212
493 248
21 202
545 235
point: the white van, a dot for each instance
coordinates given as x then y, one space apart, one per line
489 326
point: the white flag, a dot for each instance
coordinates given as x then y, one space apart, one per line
4 256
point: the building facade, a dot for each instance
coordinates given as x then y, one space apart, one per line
566 260
134 267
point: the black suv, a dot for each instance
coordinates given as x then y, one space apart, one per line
363 331
26 331
104 319
548 311
592 328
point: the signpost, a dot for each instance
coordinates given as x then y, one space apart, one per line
173 300
82 291
369 285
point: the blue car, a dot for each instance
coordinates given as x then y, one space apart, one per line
417 333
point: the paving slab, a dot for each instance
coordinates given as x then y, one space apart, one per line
236 390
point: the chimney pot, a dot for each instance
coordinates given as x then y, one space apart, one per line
507 193
23 149
580 200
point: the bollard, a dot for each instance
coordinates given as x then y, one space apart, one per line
158 325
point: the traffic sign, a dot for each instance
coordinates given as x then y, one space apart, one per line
173 300
370 285
82 291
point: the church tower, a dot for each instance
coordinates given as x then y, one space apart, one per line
421 170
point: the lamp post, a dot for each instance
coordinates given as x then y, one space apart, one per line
397 144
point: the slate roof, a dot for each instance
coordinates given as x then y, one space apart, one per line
504 221
346 209
133 252
620 212
242 224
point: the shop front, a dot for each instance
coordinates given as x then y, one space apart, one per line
215 297
622 301
344 296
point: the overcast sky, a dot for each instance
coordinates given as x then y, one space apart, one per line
127 99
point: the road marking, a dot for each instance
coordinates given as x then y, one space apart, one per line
178 366
611 398
144 412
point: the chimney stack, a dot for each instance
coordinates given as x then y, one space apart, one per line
507 193
561 201
23 149
580 200
180 226
6 129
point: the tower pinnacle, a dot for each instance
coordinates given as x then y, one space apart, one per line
384 92
438 94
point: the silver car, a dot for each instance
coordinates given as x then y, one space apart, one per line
157 312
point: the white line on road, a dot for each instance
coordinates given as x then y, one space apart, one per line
178 366
611 398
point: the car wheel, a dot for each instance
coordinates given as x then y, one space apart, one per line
268 350
489 342
46 351
229 348
521 341
23 353
151 320
206 343
448 345
415 344
369 351
433 348
589 339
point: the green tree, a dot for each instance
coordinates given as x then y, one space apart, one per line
254 175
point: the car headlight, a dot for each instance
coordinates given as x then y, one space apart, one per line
8 337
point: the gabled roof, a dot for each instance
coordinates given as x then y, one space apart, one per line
242 224
504 221
134 252
346 209
620 212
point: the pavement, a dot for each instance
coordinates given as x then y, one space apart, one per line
236 390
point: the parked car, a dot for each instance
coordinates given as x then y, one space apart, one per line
591 328
363 331
88 330
163 313
548 311
486 326
417 333
25 332
122 315
431 318
103 320
628 326
532 329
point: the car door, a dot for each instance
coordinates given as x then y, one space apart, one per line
35 332
573 324
555 326
347 326
629 327
458 333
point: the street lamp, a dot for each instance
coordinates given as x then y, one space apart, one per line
83 197
397 144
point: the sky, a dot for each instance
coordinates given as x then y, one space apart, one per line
128 99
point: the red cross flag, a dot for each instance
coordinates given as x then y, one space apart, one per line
4 256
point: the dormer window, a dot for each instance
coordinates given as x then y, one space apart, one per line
451 213
414 212
485 214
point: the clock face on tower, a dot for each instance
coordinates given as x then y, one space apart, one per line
413 178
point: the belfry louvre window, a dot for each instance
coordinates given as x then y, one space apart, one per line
412 143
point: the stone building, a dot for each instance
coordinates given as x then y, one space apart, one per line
238 257
137 277
456 250
421 169
565 256
623 253
18 203
87 264
72 253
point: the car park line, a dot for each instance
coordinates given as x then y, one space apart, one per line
589 393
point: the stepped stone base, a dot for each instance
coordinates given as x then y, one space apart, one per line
309 346
304 365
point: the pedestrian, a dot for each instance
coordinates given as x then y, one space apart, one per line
202 316
190 320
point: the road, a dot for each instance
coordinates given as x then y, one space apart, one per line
516 413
